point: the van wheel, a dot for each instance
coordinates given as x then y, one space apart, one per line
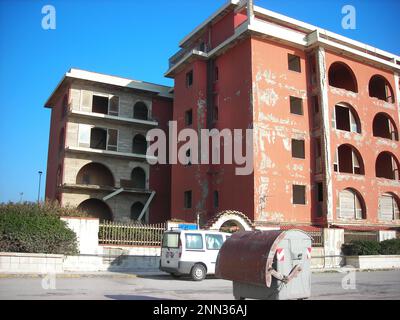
198 272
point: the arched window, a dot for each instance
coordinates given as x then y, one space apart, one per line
388 207
350 205
139 144
381 89
387 166
384 127
140 111
98 138
136 211
341 76
346 118
95 174
138 178
96 208
348 160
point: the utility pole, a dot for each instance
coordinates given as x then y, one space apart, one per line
250 10
40 179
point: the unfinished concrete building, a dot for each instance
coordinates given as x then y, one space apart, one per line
97 151
325 114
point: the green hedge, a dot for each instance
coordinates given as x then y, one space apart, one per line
32 228
370 248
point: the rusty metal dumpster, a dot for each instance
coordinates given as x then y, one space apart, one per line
267 265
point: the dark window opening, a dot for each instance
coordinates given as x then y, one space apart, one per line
100 104
188 157
346 119
384 127
140 111
189 79
98 139
299 194
294 63
138 178
136 211
341 76
348 160
381 89
387 166
189 117
298 149
296 106
139 145
188 199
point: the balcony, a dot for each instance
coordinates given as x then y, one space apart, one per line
108 153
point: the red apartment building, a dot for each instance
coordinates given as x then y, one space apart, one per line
325 115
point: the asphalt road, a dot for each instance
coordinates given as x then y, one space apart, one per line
326 286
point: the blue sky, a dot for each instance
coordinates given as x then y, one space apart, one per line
129 38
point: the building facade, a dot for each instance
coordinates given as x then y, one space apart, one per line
97 150
324 111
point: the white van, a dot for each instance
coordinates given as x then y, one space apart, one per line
191 252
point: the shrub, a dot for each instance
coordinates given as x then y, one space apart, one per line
365 248
361 248
390 247
32 228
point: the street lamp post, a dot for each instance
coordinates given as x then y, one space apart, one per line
40 179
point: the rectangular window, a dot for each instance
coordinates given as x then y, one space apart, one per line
296 106
214 241
189 117
100 104
299 194
189 79
216 74
188 199
298 149
112 140
170 240
194 241
294 63
320 198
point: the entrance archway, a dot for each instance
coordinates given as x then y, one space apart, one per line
230 221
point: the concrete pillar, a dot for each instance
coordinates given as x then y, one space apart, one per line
87 234
333 241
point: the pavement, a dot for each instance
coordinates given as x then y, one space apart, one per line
331 285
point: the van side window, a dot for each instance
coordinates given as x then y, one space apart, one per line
194 241
214 241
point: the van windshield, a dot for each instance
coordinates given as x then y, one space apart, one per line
170 240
